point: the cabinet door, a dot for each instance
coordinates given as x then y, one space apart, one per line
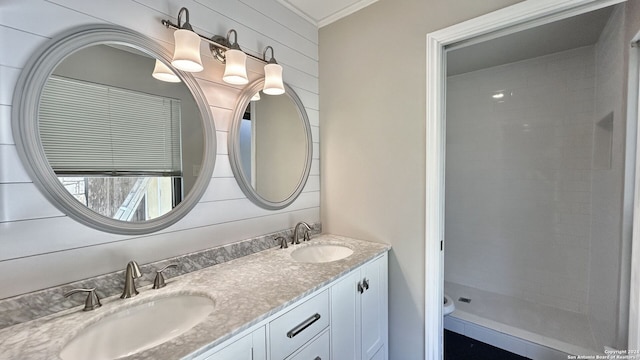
374 307
249 347
345 318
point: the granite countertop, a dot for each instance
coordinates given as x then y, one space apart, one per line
245 291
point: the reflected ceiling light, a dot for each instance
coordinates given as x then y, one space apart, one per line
272 75
256 97
163 73
498 96
223 50
186 55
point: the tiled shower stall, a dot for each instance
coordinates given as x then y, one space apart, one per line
534 196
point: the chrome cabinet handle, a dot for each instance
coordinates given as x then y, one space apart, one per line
91 303
360 288
303 325
365 284
317 358
158 282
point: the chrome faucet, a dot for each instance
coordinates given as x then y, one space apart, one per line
132 272
295 239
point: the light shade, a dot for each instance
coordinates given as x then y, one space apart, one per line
273 80
256 97
163 73
186 55
235 71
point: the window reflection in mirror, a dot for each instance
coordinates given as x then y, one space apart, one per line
123 143
126 198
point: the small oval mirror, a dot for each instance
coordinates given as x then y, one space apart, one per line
105 141
270 146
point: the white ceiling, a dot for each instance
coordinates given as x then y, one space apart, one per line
324 12
571 33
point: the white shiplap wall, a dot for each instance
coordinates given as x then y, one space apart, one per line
40 246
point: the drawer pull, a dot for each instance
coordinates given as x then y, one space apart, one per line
305 324
360 288
365 284
317 358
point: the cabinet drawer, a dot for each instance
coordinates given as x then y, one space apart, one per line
298 325
318 349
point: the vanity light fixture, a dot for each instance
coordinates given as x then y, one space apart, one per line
186 55
235 70
272 75
256 97
224 51
163 73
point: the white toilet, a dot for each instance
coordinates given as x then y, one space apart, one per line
449 305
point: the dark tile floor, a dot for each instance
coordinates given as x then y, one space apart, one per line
459 347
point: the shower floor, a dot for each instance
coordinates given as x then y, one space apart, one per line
554 328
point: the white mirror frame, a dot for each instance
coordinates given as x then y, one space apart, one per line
234 147
26 100
521 16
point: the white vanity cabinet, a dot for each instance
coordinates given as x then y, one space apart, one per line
359 313
344 320
248 347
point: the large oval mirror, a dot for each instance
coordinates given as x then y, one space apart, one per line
270 146
105 141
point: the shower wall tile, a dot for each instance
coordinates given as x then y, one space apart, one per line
518 178
605 316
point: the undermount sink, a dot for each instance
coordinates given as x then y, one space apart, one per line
138 328
321 253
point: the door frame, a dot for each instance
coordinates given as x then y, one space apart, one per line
633 117
521 16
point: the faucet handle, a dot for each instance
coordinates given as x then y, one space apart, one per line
283 242
158 282
91 303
